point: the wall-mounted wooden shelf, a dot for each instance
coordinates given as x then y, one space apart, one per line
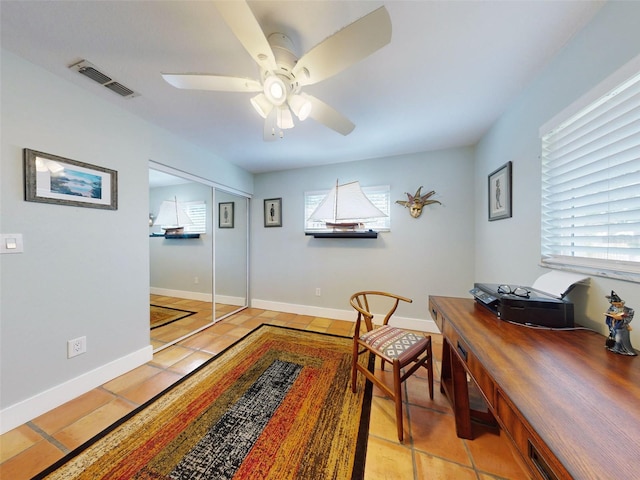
175 237
366 234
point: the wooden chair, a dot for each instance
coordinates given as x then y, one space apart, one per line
401 348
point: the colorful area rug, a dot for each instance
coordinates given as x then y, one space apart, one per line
275 405
161 316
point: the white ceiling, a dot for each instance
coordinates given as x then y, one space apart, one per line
451 69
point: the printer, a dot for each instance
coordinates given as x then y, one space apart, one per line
531 305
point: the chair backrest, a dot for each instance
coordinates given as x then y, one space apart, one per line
360 302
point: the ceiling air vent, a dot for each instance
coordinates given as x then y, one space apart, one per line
120 89
91 71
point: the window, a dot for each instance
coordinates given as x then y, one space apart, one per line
591 185
380 196
197 212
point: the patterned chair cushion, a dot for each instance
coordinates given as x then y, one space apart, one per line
394 342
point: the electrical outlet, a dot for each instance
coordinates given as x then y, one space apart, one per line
196 280
318 292
76 346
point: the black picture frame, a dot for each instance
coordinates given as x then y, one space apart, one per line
273 212
226 214
500 193
57 180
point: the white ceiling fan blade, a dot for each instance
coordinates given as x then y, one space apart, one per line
346 47
246 28
271 130
221 83
328 116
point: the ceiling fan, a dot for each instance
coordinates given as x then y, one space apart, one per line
282 74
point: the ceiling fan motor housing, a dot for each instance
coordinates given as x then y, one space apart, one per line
282 48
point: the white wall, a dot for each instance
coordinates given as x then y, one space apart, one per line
508 251
430 255
84 272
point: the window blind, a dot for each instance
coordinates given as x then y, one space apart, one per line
197 212
591 186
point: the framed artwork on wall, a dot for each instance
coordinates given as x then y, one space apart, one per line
273 212
52 179
225 214
500 193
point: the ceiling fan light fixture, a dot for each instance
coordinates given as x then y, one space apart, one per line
262 105
300 106
275 90
284 119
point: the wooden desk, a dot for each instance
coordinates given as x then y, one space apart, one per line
570 407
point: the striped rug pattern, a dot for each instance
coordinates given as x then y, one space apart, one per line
275 405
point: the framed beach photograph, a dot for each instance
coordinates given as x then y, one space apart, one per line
52 179
225 214
273 212
500 193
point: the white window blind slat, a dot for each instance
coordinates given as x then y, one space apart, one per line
591 187
599 190
588 126
605 103
614 144
562 231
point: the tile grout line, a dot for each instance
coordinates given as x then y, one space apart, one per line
48 438
411 445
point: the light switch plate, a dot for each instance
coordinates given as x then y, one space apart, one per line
11 243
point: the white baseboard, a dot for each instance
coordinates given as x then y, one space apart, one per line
419 324
17 414
167 292
229 300
203 297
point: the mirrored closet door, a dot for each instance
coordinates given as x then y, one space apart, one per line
198 275
231 253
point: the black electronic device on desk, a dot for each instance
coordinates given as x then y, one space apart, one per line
525 305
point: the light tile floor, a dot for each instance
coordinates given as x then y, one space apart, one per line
204 313
431 449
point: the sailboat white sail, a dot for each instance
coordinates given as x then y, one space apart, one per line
345 207
172 217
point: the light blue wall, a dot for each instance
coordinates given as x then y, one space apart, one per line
174 264
432 254
509 250
84 272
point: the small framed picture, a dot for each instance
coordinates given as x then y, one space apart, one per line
500 193
225 214
52 179
273 212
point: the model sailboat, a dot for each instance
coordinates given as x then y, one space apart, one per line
172 217
345 208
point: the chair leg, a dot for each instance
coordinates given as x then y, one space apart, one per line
397 391
430 369
430 372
